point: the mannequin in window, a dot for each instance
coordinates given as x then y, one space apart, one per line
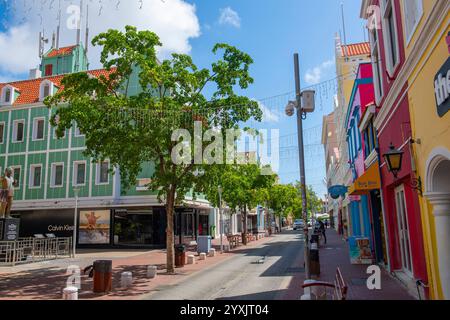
7 193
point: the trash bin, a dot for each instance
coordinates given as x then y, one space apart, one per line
102 276
180 255
314 266
203 244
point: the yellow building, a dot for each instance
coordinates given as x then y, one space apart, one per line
427 69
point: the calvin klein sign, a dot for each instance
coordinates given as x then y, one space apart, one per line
442 89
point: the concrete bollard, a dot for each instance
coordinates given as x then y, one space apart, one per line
70 293
151 271
126 279
202 256
212 252
191 259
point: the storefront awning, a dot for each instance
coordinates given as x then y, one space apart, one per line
369 181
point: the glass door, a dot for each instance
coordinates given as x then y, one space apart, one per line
403 232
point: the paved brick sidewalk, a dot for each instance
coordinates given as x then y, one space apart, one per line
336 254
46 280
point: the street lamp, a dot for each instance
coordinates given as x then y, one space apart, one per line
304 104
394 159
221 218
75 216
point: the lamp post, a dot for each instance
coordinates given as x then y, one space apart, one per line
221 218
75 216
308 106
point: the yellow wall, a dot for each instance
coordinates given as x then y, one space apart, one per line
427 126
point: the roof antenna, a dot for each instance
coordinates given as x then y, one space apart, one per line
79 23
42 42
87 30
58 28
345 37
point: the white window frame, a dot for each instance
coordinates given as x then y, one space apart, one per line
75 173
31 178
41 89
20 176
3 95
98 173
35 126
53 175
419 18
388 6
76 132
15 125
376 65
4 126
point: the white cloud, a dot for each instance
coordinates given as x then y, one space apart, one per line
268 115
314 75
175 21
229 17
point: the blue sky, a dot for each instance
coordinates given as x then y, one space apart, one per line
271 31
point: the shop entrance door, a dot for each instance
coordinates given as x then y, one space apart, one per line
403 230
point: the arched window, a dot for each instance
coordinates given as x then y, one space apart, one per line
46 89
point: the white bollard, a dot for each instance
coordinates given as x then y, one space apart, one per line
70 293
212 252
202 256
191 259
126 279
151 271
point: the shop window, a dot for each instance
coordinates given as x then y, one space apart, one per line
38 128
57 175
35 176
18 130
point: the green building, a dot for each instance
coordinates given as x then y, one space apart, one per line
54 177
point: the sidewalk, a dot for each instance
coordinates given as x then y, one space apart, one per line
45 280
335 254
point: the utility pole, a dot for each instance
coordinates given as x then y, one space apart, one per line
221 219
302 162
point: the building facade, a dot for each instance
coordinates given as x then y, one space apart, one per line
57 181
348 58
406 254
427 47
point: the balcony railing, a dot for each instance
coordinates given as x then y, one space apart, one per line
30 250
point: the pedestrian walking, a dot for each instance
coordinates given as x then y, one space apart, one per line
322 230
326 224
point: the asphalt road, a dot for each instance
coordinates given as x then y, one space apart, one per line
259 273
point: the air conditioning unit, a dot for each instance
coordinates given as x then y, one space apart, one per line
35 74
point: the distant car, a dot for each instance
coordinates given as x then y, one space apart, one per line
298 224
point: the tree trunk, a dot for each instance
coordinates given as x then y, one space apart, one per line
244 234
170 232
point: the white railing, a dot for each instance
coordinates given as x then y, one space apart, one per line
29 250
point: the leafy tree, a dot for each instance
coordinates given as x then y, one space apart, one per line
242 187
313 202
280 199
132 126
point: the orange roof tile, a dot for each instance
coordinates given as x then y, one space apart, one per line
29 89
356 49
60 52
